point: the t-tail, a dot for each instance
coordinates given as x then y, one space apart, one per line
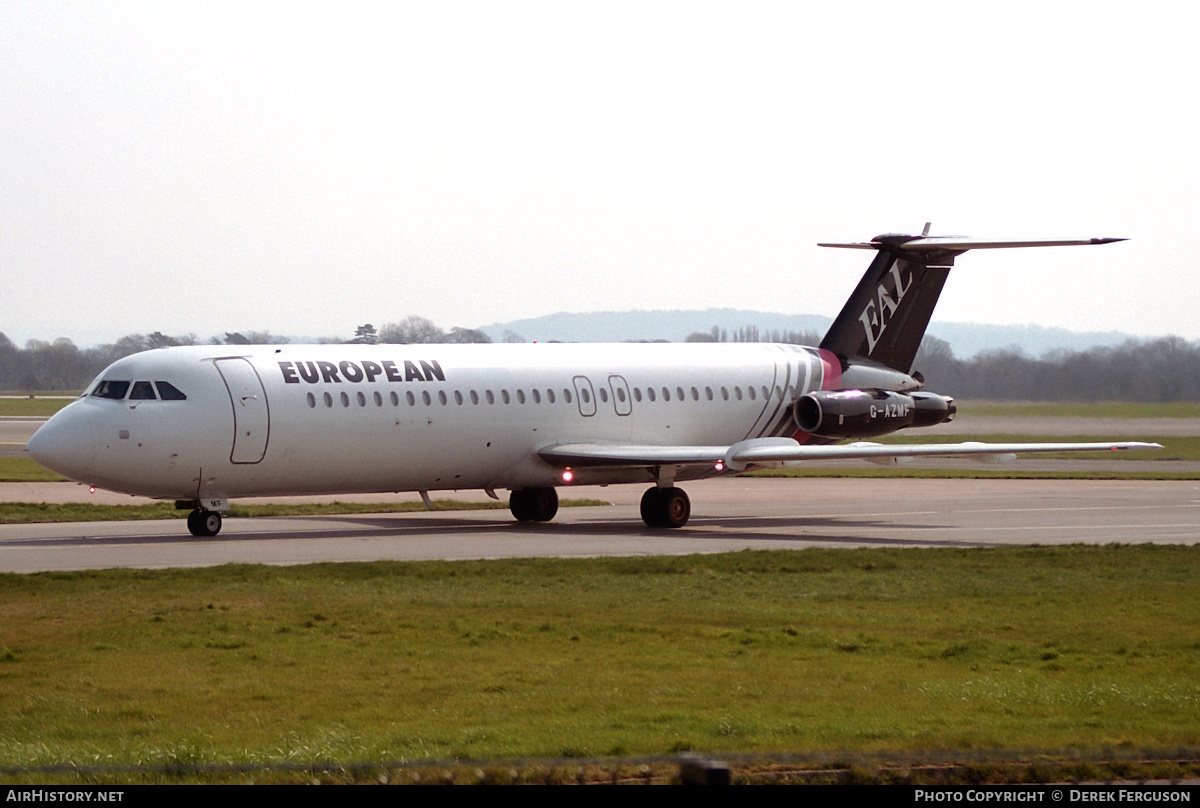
885 318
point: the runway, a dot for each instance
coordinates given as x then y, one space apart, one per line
727 515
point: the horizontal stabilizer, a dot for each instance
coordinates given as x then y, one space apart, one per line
962 243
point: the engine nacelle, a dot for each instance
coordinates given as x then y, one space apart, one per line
853 413
868 413
932 409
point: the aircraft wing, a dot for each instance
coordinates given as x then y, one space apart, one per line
780 451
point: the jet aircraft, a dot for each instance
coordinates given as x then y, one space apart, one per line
203 425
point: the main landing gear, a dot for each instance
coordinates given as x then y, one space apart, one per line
666 507
204 523
661 506
533 504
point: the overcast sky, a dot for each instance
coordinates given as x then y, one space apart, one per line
305 168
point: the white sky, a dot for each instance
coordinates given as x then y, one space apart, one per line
305 168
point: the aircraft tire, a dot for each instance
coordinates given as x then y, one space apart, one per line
666 507
533 504
204 524
518 503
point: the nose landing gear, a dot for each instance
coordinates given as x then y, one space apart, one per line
204 523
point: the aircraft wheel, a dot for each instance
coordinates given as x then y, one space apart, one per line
650 507
204 523
666 507
533 504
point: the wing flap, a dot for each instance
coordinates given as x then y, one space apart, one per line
768 451
742 455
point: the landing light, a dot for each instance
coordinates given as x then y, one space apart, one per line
92 489
568 475
719 466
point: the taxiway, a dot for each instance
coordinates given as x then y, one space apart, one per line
727 515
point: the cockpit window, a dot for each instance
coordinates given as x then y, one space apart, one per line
169 392
142 391
111 389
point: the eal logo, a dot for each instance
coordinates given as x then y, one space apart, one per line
879 312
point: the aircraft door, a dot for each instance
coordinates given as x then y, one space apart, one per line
585 396
620 392
251 417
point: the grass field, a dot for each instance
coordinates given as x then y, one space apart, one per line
1082 409
1078 648
32 406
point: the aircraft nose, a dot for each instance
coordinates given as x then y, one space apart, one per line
62 445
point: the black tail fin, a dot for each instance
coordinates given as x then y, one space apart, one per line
885 319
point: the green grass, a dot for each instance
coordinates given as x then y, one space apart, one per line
28 512
1081 409
871 651
31 406
24 470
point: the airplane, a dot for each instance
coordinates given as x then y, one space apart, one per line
201 425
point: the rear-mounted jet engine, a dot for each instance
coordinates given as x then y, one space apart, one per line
869 413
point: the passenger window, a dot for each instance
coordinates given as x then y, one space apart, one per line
550 395
362 399
537 397
474 397
458 399
695 394
345 400
750 390
428 399
708 393
650 393
583 395
111 389
679 393
491 399
566 395
142 391
666 394
725 393
312 400
395 399
603 395
378 399
412 400
442 397
328 400
520 396
505 397
737 392
169 392
637 394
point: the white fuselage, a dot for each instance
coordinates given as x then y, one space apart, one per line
302 419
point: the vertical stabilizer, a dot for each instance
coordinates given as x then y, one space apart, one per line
885 318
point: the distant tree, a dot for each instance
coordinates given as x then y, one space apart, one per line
412 330
365 335
467 335
699 336
512 336
253 338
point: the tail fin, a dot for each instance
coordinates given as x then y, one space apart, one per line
885 318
